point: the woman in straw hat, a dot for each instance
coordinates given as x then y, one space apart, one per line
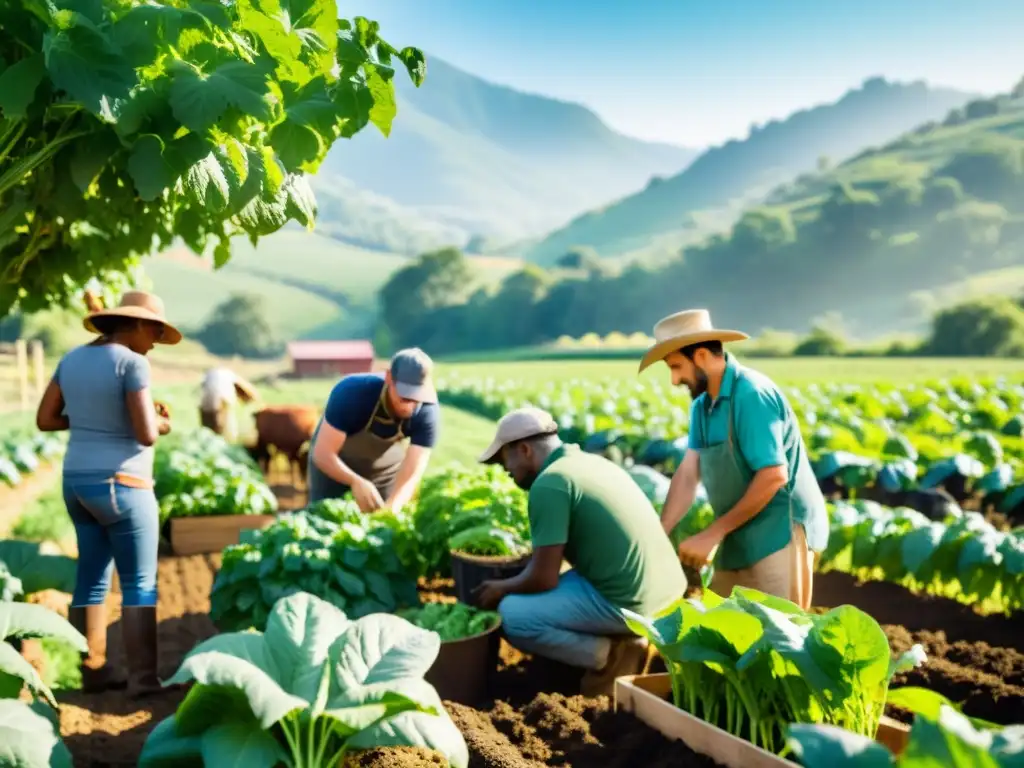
745 446
100 393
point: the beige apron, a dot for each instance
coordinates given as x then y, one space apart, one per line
376 458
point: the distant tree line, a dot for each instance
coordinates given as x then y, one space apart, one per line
858 247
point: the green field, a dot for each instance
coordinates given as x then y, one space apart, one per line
312 286
786 371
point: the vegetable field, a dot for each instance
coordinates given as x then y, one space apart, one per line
917 601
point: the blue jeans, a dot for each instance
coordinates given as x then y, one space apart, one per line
115 525
571 623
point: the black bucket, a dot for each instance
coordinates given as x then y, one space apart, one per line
464 667
470 571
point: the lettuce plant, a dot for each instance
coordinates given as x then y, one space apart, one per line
310 689
754 663
200 473
352 565
30 731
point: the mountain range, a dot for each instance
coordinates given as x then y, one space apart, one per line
493 161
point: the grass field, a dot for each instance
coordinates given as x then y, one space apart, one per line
313 286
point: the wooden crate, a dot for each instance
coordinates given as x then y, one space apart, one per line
203 535
645 696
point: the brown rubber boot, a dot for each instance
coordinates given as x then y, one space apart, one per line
97 674
138 623
628 656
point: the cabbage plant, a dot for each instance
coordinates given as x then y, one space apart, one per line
310 689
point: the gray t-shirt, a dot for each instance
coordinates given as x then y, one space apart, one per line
94 381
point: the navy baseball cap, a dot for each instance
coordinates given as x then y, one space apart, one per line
411 374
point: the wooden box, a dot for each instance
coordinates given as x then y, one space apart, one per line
204 535
646 697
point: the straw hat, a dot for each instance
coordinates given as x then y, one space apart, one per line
682 329
135 304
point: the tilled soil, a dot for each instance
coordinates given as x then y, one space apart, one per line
109 729
521 729
987 681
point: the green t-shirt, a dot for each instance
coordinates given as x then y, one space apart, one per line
612 535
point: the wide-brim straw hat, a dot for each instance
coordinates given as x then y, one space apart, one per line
692 326
139 305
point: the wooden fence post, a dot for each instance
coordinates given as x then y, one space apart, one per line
22 354
37 368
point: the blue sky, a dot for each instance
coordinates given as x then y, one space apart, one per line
698 72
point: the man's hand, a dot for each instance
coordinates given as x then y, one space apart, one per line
366 495
489 594
163 425
696 550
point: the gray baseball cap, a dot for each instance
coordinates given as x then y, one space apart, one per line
412 374
519 425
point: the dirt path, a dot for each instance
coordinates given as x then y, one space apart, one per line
14 500
109 729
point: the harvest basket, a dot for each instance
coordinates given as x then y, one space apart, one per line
647 698
205 535
463 667
469 571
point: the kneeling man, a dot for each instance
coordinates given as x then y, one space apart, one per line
589 511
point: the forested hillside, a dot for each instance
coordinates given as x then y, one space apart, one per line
880 239
770 155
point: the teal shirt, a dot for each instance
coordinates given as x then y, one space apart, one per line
767 433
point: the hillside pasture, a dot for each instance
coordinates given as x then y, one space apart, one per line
313 287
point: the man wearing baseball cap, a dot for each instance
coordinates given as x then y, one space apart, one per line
359 444
588 511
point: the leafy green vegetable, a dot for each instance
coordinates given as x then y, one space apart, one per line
965 559
199 473
127 124
478 510
452 621
30 731
943 738
311 688
757 663
352 565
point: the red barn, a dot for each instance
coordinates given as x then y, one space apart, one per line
312 359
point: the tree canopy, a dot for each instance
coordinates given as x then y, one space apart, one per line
125 124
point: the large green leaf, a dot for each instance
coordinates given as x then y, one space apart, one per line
829 745
300 634
267 699
200 99
18 85
29 738
382 647
165 748
949 740
38 571
84 63
28 620
416 728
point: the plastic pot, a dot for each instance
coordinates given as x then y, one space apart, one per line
464 667
469 571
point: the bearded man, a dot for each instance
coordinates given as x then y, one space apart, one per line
745 446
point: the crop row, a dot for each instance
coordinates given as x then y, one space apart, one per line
964 437
23 454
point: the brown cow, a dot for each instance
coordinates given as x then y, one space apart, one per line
288 429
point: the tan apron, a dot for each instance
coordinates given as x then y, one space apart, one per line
376 458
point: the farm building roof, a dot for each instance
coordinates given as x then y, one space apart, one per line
330 350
